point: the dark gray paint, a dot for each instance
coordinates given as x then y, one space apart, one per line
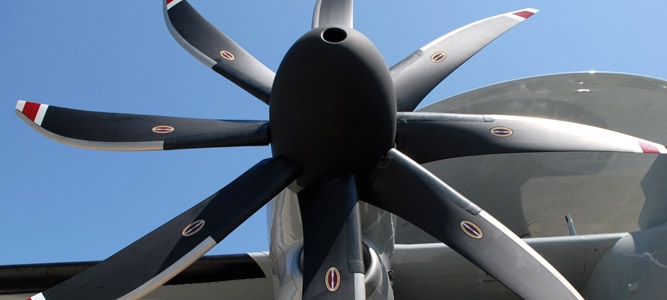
115 131
416 75
154 253
332 108
404 188
205 42
427 137
30 279
602 191
331 238
434 271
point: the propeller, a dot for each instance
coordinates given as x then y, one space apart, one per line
330 13
333 125
332 247
130 132
416 75
427 137
160 255
456 221
216 50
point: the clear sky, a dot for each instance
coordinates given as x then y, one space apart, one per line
59 203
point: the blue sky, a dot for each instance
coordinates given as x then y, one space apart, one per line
59 203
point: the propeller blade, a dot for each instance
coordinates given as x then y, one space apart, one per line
160 255
333 13
216 50
402 187
333 266
416 75
129 132
427 137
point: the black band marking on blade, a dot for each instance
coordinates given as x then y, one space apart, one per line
471 229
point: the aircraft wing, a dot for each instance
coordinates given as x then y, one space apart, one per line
604 192
434 271
237 276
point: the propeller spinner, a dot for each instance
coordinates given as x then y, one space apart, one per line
333 108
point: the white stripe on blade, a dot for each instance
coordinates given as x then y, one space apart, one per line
37 297
532 253
171 4
20 105
40 114
172 270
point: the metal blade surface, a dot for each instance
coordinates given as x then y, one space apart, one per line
416 75
152 260
333 266
401 186
132 132
426 137
216 50
331 13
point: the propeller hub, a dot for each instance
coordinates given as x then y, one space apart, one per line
333 106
